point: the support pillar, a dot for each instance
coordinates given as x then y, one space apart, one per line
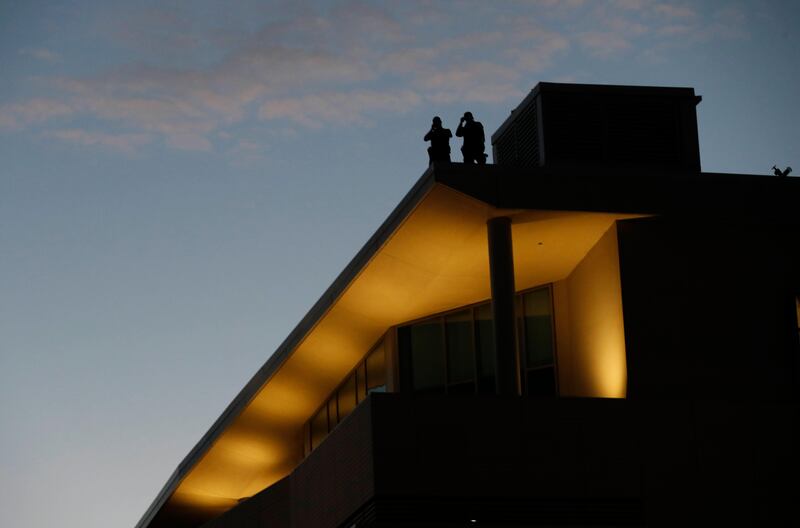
501 273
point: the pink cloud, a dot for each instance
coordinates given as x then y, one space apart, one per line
348 64
343 108
42 54
675 11
604 44
633 5
123 142
32 111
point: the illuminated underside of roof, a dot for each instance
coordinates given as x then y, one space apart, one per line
429 256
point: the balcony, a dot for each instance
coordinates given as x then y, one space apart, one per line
490 461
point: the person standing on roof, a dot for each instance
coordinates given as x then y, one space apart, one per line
474 139
440 142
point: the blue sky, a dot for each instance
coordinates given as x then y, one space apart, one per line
180 181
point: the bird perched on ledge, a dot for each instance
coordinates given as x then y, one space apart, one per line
781 173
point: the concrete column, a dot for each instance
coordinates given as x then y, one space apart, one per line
501 273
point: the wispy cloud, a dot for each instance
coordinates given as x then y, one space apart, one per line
348 65
126 142
42 54
603 44
675 11
632 5
479 81
729 23
342 108
31 111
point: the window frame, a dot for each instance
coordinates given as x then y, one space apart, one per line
522 356
406 363
333 397
440 318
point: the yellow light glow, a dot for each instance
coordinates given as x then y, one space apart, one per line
606 364
203 500
591 344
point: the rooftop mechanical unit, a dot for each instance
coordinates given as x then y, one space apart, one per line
576 125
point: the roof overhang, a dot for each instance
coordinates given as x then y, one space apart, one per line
429 256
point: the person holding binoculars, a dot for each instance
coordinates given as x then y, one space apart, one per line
474 139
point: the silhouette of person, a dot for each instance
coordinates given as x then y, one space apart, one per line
440 142
474 139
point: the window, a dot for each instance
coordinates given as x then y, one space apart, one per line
376 369
369 375
361 381
333 418
460 353
319 427
427 359
484 343
454 353
346 396
538 365
449 354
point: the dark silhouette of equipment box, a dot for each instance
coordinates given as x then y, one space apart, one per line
627 127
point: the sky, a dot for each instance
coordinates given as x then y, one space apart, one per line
180 182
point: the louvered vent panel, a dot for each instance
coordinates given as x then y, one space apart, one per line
527 136
518 146
505 149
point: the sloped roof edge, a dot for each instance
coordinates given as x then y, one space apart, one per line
395 218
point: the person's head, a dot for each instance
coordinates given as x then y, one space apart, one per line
468 117
437 122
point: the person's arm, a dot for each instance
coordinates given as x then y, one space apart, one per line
449 134
460 129
428 136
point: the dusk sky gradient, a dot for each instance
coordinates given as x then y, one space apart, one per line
180 182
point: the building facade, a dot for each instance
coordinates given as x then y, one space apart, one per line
589 332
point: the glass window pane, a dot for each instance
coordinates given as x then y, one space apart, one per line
376 370
427 357
347 396
538 328
460 358
319 427
484 341
361 381
332 419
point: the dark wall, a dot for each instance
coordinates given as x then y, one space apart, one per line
337 477
406 461
709 309
536 455
583 462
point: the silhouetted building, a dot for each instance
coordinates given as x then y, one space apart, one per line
589 332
